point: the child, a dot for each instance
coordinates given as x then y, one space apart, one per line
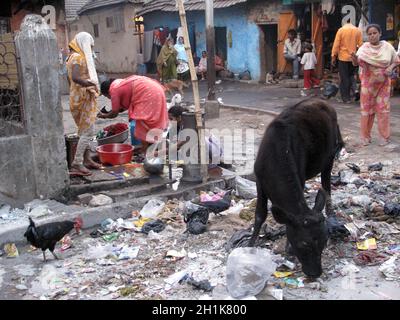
309 62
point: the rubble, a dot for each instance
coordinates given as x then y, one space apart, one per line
100 200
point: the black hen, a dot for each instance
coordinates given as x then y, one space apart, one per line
46 236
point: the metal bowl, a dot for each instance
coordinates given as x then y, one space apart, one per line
153 165
117 138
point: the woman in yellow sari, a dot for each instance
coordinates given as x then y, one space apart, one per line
166 61
84 88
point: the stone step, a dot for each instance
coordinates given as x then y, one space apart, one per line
135 192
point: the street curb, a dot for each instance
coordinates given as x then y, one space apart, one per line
94 216
250 109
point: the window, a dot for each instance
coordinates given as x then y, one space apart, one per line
96 30
110 22
116 23
4 25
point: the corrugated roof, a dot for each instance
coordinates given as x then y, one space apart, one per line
95 4
72 7
190 5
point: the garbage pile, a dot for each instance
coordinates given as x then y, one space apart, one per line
197 249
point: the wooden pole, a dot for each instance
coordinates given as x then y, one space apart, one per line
195 85
210 42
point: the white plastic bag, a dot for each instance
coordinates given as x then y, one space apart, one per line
248 270
152 209
246 189
99 252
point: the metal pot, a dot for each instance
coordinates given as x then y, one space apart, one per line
153 165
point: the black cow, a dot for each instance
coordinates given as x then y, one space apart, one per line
299 144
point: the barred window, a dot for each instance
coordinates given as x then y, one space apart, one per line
11 112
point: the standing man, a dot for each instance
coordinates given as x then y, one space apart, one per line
348 39
292 51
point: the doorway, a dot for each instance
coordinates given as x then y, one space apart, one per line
268 49
220 42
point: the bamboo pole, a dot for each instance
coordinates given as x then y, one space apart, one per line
195 86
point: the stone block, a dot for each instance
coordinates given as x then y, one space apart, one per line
85 198
211 108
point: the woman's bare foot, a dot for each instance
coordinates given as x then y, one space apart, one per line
90 164
365 142
80 170
384 142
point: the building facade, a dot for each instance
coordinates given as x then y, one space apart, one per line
112 25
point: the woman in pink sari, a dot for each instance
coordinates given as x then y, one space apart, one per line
376 59
144 98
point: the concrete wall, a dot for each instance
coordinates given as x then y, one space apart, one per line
117 51
17 179
34 164
244 54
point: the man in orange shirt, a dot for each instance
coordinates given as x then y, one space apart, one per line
348 39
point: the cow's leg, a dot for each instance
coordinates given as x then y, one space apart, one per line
260 214
326 185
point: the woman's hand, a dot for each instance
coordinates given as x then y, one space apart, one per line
101 115
89 83
165 63
354 59
389 70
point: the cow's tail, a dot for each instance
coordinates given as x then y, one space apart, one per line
339 142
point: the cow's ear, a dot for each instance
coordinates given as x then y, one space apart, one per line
320 201
282 216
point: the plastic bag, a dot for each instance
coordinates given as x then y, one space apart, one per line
190 207
156 226
392 209
240 238
248 270
218 205
246 189
99 252
196 222
127 253
152 209
336 228
330 90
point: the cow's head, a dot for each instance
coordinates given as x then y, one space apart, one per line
307 234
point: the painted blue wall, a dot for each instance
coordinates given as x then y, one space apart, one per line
244 54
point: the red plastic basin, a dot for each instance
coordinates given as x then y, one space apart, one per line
115 153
